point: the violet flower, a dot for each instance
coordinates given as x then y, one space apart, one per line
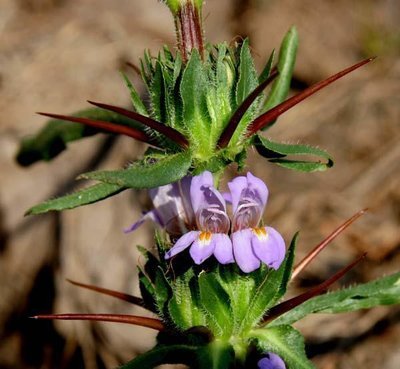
253 244
172 208
271 361
212 223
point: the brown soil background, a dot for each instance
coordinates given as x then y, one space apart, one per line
54 55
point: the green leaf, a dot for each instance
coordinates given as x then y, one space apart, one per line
137 102
163 354
85 196
286 62
193 90
286 342
216 302
141 174
248 80
271 286
276 152
383 291
52 139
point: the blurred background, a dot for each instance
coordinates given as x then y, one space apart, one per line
55 55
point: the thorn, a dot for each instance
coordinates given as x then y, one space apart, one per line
105 126
310 257
171 133
290 304
116 318
241 110
119 295
270 116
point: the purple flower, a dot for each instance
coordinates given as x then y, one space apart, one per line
271 361
212 223
172 208
253 244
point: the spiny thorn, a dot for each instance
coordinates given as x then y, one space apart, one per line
310 257
119 295
290 304
267 118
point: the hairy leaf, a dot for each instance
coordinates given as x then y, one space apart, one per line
142 174
85 196
383 291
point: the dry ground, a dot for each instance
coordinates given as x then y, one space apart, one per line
56 54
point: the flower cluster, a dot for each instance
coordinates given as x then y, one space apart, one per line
196 208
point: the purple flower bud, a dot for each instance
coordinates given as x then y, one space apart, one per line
271 361
172 208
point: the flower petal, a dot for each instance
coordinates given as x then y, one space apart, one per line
223 251
184 242
259 187
202 249
237 186
269 248
204 180
271 361
150 215
243 252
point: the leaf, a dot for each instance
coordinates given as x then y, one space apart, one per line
193 90
276 152
85 196
268 68
216 302
286 342
164 170
383 291
137 102
270 288
286 62
52 139
163 354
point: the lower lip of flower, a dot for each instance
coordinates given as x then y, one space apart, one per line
205 237
261 233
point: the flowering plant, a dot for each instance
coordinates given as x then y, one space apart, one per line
217 280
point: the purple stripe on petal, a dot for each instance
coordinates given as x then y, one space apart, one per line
243 252
223 251
202 250
269 246
271 361
184 242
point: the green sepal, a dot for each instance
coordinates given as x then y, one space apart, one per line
276 152
286 62
85 196
383 291
216 303
137 102
216 355
284 341
53 138
270 287
184 307
148 173
193 90
163 354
